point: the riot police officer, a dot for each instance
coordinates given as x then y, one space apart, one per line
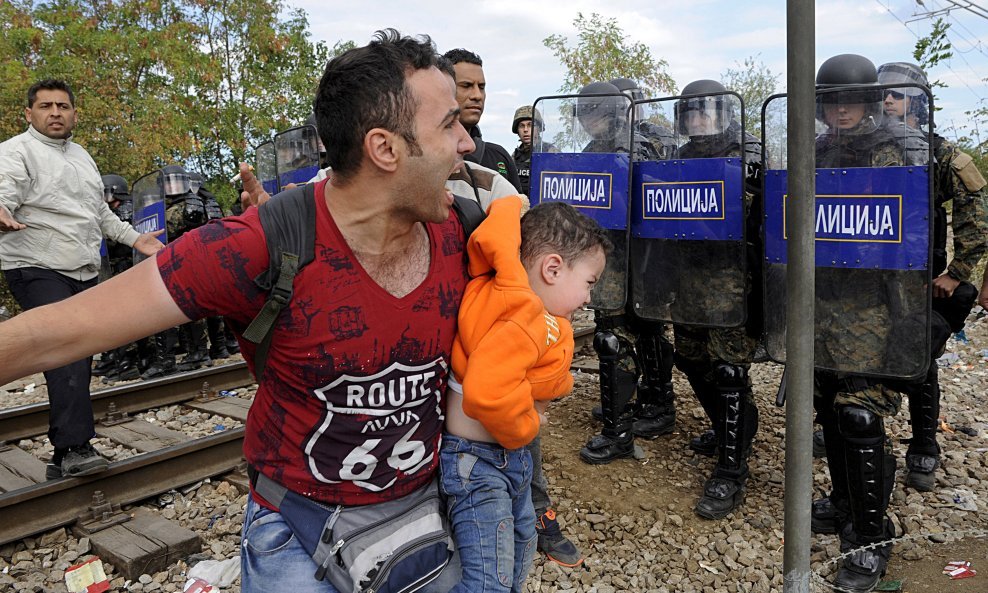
120 364
219 342
661 137
716 360
629 347
185 209
865 330
955 179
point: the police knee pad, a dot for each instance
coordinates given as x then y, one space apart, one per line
730 376
860 426
606 344
939 334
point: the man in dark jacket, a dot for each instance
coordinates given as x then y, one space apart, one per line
471 93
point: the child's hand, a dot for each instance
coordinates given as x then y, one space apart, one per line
540 407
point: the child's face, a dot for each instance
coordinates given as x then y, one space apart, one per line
571 289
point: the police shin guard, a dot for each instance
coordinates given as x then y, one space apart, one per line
163 356
923 454
217 338
871 477
616 388
724 490
831 513
706 394
195 338
656 413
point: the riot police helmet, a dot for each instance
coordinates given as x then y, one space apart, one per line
629 87
195 181
601 110
704 110
917 101
860 74
311 121
115 188
174 180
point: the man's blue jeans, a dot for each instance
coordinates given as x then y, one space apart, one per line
489 496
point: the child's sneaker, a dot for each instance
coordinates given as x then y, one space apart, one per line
554 544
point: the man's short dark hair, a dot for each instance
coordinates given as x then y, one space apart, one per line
557 227
446 67
366 88
49 84
455 56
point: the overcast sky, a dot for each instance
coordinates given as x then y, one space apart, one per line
698 38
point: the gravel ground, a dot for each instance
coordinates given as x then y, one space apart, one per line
634 518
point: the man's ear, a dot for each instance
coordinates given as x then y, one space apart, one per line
27 114
551 267
380 149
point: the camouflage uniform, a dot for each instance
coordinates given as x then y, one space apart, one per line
716 361
630 348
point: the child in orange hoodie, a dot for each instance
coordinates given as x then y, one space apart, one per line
511 355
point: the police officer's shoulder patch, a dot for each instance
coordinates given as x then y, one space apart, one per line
965 169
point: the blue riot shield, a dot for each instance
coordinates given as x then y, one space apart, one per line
297 155
689 214
581 155
873 224
266 167
149 209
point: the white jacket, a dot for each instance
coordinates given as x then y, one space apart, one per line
54 187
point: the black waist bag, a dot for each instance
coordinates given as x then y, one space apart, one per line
397 546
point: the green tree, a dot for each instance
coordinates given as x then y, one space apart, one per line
755 82
604 52
933 49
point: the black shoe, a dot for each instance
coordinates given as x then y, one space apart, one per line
83 460
232 346
823 516
705 443
554 544
159 369
604 449
920 468
193 361
652 421
53 471
863 570
720 497
819 445
218 352
105 365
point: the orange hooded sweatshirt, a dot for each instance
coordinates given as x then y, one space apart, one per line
508 351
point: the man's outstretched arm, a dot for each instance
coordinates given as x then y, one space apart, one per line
126 307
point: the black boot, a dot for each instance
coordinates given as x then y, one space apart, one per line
163 355
232 346
923 454
705 443
616 387
870 479
107 361
195 340
217 338
724 490
126 367
656 414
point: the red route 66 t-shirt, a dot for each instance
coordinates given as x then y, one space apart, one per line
350 407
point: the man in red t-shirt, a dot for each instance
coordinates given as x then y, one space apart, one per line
349 407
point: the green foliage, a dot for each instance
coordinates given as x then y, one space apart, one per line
755 82
197 82
604 52
933 49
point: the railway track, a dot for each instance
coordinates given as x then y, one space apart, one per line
167 459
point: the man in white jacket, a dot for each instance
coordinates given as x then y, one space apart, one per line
52 219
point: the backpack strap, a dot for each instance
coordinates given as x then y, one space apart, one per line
289 223
470 214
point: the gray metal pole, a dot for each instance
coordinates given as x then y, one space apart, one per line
801 109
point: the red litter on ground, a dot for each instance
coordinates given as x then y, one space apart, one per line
196 585
87 577
959 569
